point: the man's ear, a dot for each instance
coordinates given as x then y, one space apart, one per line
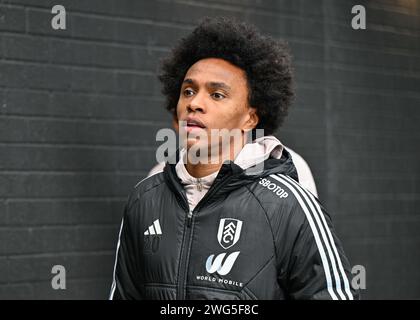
252 121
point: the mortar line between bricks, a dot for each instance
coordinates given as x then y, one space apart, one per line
31 282
393 29
137 20
78 119
352 89
387 112
82 67
365 179
389 116
60 145
68 226
394 197
372 196
385 92
362 69
375 70
370 91
387 217
5 171
382 239
374 218
363 89
128 45
244 9
71 67
60 226
361 47
63 145
376 133
55 254
397 176
384 48
357 173
386 158
381 28
119 18
86 93
62 199
149 123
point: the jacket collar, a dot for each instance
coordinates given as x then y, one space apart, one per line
231 176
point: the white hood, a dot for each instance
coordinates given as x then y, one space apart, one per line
251 154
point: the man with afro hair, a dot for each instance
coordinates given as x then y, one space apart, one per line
237 225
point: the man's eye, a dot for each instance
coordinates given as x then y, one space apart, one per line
188 92
218 96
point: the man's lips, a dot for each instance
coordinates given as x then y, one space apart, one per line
193 124
193 128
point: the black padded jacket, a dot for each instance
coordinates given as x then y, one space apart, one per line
254 235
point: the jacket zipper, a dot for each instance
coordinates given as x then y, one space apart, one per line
199 185
185 248
184 258
189 219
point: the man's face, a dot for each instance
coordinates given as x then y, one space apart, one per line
214 95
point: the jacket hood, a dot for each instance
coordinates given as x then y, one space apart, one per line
232 176
251 155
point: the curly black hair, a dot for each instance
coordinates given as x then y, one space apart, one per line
266 62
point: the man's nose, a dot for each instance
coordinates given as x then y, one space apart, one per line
197 103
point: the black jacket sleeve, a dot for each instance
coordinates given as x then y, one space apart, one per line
126 282
317 268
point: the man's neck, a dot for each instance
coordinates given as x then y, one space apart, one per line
201 170
213 164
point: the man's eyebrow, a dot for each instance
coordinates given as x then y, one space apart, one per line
188 81
218 85
212 84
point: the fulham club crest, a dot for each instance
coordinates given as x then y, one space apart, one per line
229 232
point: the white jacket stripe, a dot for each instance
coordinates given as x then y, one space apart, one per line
324 259
330 245
111 296
315 214
340 265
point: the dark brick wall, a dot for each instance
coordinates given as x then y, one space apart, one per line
355 122
79 109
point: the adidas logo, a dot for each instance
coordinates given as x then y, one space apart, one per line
153 229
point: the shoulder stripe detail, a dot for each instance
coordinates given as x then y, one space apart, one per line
321 223
114 284
328 232
318 242
147 178
325 263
